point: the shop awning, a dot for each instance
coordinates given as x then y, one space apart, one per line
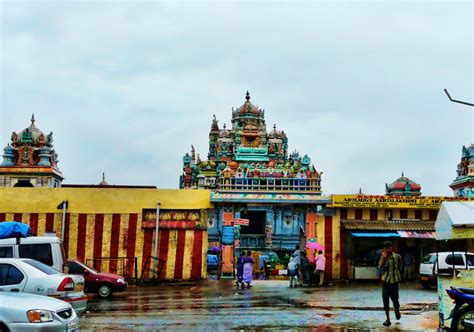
375 234
416 235
455 221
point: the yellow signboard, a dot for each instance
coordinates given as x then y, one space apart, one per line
400 202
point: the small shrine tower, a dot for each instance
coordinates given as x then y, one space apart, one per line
463 184
30 160
403 186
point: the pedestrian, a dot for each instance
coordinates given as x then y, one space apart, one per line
292 272
304 269
267 266
240 270
297 260
320 267
408 261
391 265
247 272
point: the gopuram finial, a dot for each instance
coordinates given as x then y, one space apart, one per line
224 126
247 96
274 126
33 118
103 182
360 191
402 174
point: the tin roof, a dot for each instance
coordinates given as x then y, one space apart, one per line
389 225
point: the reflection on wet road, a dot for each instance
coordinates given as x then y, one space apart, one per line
218 305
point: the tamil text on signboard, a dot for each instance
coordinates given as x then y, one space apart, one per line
228 235
402 202
241 221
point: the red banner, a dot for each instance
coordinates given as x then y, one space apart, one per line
241 221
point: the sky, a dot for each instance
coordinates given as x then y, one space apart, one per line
127 87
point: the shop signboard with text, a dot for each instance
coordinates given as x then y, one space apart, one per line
401 202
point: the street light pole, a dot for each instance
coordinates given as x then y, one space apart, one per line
157 228
63 221
155 251
457 101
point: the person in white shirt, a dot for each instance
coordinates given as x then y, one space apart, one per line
297 259
292 273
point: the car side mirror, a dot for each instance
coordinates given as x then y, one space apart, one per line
86 272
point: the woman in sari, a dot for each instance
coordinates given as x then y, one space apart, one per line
248 262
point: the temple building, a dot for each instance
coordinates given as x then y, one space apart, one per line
403 186
30 160
255 181
463 184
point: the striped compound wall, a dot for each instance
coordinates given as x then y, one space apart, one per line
92 234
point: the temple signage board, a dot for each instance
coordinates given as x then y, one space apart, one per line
402 202
241 221
228 235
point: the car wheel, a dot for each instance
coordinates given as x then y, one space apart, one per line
4 328
105 290
457 323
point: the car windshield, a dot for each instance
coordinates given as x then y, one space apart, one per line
42 267
429 259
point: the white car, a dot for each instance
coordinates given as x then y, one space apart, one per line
30 276
28 312
446 261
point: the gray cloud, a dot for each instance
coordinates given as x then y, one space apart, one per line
357 86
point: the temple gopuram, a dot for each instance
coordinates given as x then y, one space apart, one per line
463 184
403 186
264 198
30 160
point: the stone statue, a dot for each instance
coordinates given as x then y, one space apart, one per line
193 153
14 138
49 139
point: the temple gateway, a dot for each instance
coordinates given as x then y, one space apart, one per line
264 197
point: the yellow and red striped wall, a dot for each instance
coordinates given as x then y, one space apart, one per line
107 222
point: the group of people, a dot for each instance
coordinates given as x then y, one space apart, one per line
244 270
300 271
390 264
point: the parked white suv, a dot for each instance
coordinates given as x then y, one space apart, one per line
46 249
446 262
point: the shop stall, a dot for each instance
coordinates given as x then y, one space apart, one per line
455 224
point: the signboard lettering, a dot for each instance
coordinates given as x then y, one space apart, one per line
241 221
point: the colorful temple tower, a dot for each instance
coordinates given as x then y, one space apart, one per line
254 180
403 186
30 160
463 184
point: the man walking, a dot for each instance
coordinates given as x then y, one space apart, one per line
320 267
391 265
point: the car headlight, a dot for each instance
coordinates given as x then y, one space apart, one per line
39 316
121 280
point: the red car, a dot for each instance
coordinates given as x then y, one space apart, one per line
103 284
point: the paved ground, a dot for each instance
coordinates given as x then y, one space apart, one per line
270 305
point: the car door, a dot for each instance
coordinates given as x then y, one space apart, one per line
12 279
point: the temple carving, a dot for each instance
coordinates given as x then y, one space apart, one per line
463 184
247 157
29 160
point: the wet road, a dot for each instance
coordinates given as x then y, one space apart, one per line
218 305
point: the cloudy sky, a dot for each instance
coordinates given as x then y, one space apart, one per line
358 86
